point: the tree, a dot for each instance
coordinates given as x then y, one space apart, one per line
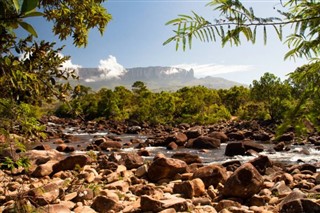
237 22
31 72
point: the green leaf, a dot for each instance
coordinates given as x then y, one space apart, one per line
32 14
29 5
16 5
28 28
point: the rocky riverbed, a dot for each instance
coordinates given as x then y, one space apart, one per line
99 176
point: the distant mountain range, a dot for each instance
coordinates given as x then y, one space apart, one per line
156 78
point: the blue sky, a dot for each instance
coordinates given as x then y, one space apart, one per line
135 35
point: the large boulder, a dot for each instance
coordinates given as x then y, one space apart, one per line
190 189
70 163
261 163
130 160
205 142
249 144
219 135
211 175
45 194
244 182
187 157
165 168
234 148
105 204
179 138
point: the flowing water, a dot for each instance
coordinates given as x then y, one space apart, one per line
297 154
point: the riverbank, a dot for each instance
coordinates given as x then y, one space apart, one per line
104 178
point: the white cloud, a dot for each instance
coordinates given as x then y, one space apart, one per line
203 70
69 65
110 68
171 71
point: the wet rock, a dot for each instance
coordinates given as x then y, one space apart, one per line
110 145
280 189
234 148
232 165
190 189
239 135
286 137
42 147
172 146
179 138
65 148
211 175
219 135
134 129
104 204
261 163
205 142
261 136
279 147
162 168
194 132
248 144
243 183
187 157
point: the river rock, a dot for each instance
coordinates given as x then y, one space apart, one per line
261 163
194 132
243 183
205 142
211 175
163 168
219 135
70 163
238 135
172 146
149 204
261 136
110 145
179 138
249 144
54 208
130 160
234 148
190 189
149 190
44 195
104 204
187 157
44 169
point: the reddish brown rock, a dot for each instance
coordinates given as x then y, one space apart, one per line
70 163
165 168
153 205
187 157
211 175
248 144
130 160
172 146
234 148
179 138
110 145
243 183
205 142
261 163
219 135
44 195
239 135
104 204
190 189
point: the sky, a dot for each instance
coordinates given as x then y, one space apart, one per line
135 36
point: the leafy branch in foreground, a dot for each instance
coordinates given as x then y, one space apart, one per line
235 20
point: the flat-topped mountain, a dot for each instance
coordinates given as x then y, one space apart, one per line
155 77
